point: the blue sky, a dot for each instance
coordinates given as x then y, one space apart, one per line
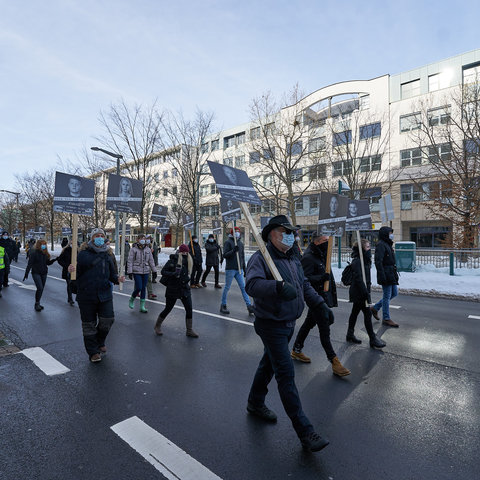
63 61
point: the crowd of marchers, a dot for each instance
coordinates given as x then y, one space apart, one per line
276 304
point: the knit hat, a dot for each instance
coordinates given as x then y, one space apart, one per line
237 229
97 231
183 248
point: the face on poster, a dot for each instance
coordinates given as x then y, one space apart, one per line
358 215
159 213
230 209
332 214
73 194
233 184
124 194
187 221
164 227
216 225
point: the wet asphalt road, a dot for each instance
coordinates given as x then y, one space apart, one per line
409 412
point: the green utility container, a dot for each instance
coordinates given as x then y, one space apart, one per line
405 254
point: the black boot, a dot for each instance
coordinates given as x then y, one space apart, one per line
351 337
376 342
38 308
224 309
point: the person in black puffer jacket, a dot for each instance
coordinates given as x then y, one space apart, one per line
64 260
387 275
95 271
196 253
176 272
38 262
359 294
10 248
214 259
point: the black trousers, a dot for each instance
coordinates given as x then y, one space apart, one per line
5 276
207 271
196 272
40 281
69 289
2 273
324 329
170 303
367 318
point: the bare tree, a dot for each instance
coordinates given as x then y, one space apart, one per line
27 185
446 134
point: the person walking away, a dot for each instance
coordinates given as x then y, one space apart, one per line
30 246
177 273
387 275
278 304
149 244
359 294
18 246
95 273
64 260
140 264
65 242
38 262
234 270
196 254
9 245
4 263
314 263
155 250
126 253
213 259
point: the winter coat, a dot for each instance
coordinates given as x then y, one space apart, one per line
114 260
155 251
95 271
177 286
231 257
140 260
214 254
64 260
261 285
313 262
64 243
10 247
4 260
385 259
38 263
358 291
196 254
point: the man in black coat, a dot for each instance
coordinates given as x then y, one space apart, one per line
10 248
387 275
196 253
213 259
313 262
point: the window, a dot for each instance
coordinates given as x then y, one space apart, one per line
410 122
299 204
174 172
255 133
228 141
317 172
204 211
269 153
343 167
204 190
413 193
372 130
316 145
269 129
240 138
228 161
471 74
204 148
410 89
165 192
215 144
410 157
213 189
294 148
256 180
240 161
440 191
214 210
255 208
439 116
157 193
254 157
268 206
373 195
429 237
472 147
371 164
342 138
364 101
268 180
165 174
296 175
174 190
314 203
440 153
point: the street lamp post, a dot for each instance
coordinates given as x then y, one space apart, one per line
117 215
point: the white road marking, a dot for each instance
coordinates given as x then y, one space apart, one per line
346 301
170 460
44 361
22 285
476 317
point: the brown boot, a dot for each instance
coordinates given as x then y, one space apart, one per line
190 332
158 325
338 368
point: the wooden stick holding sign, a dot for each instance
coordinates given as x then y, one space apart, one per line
122 249
328 266
73 275
258 238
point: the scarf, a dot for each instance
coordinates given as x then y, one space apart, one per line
101 249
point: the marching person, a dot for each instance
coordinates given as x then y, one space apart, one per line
95 273
38 262
140 264
177 273
234 270
359 294
155 250
4 263
18 244
278 304
387 275
196 253
10 248
149 243
64 260
314 263
213 259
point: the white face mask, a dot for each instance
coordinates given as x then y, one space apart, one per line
391 236
142 241
237 234
196 240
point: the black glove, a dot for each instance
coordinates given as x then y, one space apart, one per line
235 248
130 276
326 313
325 277
286 291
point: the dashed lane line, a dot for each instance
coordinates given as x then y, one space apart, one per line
44 361
476 317
169 459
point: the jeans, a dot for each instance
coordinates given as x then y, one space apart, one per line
170 302
389 292
229 276
276 361
207 271
141 280
324 329
40 281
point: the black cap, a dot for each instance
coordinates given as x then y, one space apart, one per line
278 221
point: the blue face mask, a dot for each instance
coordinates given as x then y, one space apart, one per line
142 241
43 247
288 239
211 239
98 241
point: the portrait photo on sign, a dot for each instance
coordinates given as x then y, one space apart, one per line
332 214
230 210
159 212
358 215
73 194
124 194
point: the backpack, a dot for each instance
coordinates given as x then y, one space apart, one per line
347 275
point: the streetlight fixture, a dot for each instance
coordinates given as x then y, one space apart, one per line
117 215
